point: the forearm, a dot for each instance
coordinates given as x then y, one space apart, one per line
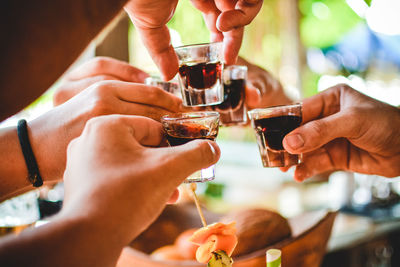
13 171
33 58
49 137
63 242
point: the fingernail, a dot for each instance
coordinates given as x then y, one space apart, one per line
295 141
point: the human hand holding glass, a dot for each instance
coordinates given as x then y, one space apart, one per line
182 128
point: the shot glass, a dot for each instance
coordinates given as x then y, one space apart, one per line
232 110
181 128
170 86
200 74
270 126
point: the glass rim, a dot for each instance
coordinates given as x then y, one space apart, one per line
190 115
274 108
197 45
228 67
160 80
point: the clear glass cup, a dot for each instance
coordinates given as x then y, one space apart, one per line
232 110
270 127
170 86
200 74
19 213
181 128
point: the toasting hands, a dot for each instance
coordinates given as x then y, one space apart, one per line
346 130
225 19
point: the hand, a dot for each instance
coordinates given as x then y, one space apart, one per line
95 70
51 132
224 18
122 180
262 89
346 130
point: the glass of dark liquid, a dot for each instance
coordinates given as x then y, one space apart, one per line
232 110
271 125
171 86
200 74
181 128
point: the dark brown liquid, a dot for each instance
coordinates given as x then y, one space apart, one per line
274 129
201 75
233 94
180 134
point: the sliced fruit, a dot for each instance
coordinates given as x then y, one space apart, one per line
201 235
220 259
213 238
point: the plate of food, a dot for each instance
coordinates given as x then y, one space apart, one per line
178 238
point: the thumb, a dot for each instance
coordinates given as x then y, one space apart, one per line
186 159
317 133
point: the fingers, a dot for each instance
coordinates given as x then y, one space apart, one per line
145 131
108 66
243 13
231 22
72 88
186 159
314 163
158 43
317 133
322 104
152 112
210 15
174 197
232 42
148 95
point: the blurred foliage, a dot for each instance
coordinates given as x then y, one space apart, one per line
325 22
215 190
189 22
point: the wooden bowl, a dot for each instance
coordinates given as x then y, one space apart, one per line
306 247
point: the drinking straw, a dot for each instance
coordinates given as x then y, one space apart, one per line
273 258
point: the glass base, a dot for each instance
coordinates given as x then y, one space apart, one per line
271 158
193 97
204 175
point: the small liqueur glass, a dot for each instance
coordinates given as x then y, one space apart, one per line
271 125
170 86
232 110
181 128
200 74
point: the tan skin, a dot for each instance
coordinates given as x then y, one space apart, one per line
45 37
113 191
346 130
51 132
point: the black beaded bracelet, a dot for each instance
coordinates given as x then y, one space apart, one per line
30 160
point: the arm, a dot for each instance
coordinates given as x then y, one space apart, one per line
50 133
65 241
43 39
116 184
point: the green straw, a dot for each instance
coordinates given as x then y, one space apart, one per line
273 258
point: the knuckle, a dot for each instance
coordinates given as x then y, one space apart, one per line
99 63
59 96
100 102
318 127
